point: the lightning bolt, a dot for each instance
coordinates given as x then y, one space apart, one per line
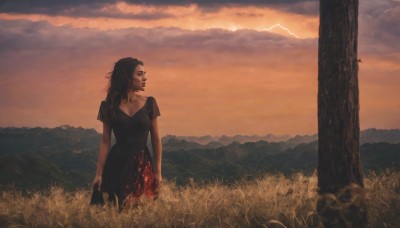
280 26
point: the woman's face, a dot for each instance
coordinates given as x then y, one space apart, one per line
138 78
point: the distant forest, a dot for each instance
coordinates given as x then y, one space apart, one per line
36 158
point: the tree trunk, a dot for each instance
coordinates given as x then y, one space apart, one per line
338 111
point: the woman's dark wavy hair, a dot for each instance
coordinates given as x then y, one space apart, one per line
120 79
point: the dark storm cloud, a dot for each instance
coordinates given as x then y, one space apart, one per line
47 6
23 35
309 7
379 32
303 7
379 26
211 3
88 8
91 8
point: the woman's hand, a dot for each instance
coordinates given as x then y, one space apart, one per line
97 181
158 178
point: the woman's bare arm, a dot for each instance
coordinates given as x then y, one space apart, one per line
157 148
104 148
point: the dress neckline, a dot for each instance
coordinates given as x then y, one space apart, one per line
145 103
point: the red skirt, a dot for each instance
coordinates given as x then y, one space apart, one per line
128 174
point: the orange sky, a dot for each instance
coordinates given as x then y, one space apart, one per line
212 73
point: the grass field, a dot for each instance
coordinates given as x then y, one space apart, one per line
270 201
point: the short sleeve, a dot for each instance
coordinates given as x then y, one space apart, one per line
154 110
103 114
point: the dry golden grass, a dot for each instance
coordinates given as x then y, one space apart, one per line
271 201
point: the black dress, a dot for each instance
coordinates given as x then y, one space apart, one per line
128 170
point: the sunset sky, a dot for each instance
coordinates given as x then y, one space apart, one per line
232 67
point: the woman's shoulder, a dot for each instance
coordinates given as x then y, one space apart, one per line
105 104
149 98
104 114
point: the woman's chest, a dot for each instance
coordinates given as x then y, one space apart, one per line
139 122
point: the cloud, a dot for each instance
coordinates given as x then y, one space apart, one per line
190 18
89 9
27 34
106 8
379 27
301 7
32 39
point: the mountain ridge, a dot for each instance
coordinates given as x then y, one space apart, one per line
37 157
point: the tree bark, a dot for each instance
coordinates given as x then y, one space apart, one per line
338 105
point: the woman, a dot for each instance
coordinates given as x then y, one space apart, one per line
125 171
